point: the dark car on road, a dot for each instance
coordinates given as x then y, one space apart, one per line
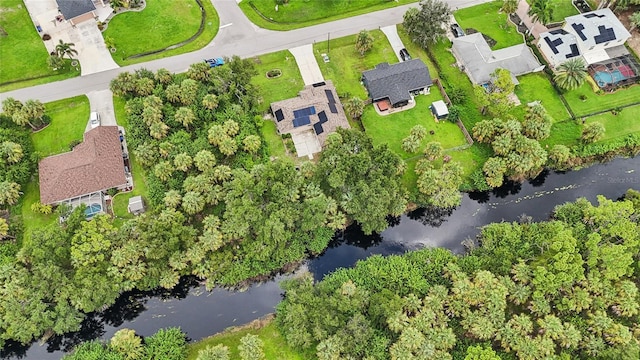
456 30
215 62
404 55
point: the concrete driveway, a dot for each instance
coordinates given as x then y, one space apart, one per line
102 102
307 64
391 32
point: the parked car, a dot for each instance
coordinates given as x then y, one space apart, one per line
215 62
457 30
404 55
94 119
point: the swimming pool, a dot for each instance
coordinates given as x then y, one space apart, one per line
92 210
604 78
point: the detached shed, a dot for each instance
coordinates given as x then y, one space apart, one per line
439 109
136 205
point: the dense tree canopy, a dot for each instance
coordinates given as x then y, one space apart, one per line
427 24
564 288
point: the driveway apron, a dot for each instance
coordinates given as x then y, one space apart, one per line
102 102
92 52
391 32
307 64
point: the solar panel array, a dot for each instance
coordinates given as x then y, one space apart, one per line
301 121
323 117
329 94
317 127
332 107
279 115
553 44
558 32
574 51
304 112
592 15
605 35
578 28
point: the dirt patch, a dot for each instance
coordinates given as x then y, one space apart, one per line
634 40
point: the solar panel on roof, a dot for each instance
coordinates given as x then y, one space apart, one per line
558 32
318 84
332 107
578 28
301 121
317 127
605 35
304 112
551 45
279 115
574 51
330 97
323 117
589 16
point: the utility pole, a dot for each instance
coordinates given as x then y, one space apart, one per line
328 38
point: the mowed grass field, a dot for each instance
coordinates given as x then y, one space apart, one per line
69 119
23 55
627 121
162 23
279 88
489 20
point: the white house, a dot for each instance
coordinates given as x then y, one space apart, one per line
597 36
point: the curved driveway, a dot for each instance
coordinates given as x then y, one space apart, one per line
237 36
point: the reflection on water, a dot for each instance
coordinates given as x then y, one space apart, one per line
201 313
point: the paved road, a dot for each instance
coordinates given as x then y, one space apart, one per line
237 36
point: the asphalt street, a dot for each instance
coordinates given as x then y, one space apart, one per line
237 36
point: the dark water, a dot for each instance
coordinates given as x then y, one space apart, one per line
200 313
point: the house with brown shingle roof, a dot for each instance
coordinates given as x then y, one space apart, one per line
83 174
315 113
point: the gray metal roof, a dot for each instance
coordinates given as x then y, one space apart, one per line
480 61
397 80
73 8
136 204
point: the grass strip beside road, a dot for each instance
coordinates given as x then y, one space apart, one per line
162 23
299 14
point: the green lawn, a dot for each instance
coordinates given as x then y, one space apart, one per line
346 65
162 23
563 133
274 345
121 200
297 14
595 102
561 9
68 121
625 122
273 139
283 87
488 19
30 219
391 129
536 86
23 55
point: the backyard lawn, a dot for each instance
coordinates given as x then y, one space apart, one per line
391 129
536 86
23 55
273 139
297 14
283 87
30 219
625 122
121 201
488 19
594 102
346 65
68 121
565 133
162 23
561 9
274 345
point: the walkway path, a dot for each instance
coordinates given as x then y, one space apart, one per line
391 32
307 64
237 36
535 28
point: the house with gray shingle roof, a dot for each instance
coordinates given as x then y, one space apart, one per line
397 82
77 11
597 36
478 60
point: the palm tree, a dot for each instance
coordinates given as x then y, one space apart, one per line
231 127
11 106
172 199
541 11
217 352
192 202
509 6
163 170
251 143
228 146
433 150
593 132
146 154
64 48
204 159
34 110
9 193
158 130
364 42
571 74
163 76
210 101
185 116
183 162
635 20
12 151
354 107
4 228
